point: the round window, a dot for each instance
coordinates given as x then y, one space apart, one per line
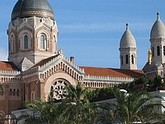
57 90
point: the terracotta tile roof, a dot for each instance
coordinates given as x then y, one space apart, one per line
7 66
97 71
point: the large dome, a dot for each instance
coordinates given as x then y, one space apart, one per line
29 8
158 29
127 39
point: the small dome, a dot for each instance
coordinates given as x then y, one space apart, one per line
127 39
158 29
29 8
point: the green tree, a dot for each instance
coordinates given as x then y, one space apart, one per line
140 84
133 107
78 109
45 112
156 83
74 109
100 94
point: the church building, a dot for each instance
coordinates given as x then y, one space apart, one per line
36 66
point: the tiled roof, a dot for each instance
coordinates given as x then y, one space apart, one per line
111 72
7 66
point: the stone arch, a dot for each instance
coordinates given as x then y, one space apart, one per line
52 78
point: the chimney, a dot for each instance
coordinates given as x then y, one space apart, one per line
72 60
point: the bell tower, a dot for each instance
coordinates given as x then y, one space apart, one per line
127 49
32 33
157 40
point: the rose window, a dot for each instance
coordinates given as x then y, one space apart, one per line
58 90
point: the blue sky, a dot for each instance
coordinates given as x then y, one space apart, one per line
90 30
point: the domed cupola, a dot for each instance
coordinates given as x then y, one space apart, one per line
127 39
30 8
32 33
127 49
158 29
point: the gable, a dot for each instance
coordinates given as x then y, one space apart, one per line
57 63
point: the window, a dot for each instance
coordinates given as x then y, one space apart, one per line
121 60
164 50
126 59
14 92
158 51
17 92
132 59
58 90
43 41
152 51
1 91
10 92
25 42
11 44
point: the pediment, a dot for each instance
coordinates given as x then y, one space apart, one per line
58 63
26 26
43 26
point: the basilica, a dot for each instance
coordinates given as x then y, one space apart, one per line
36 66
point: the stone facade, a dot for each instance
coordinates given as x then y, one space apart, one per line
24 39
37 68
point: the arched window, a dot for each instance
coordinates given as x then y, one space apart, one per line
10 92
121 60
25 44
17 92
164 50
14 92
158 51
132 59
126 59
152 51
43 41
12 44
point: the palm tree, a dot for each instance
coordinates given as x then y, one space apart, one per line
44 112
78 109
75 109
135 107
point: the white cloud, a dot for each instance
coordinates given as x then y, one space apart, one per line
90 27
102 27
